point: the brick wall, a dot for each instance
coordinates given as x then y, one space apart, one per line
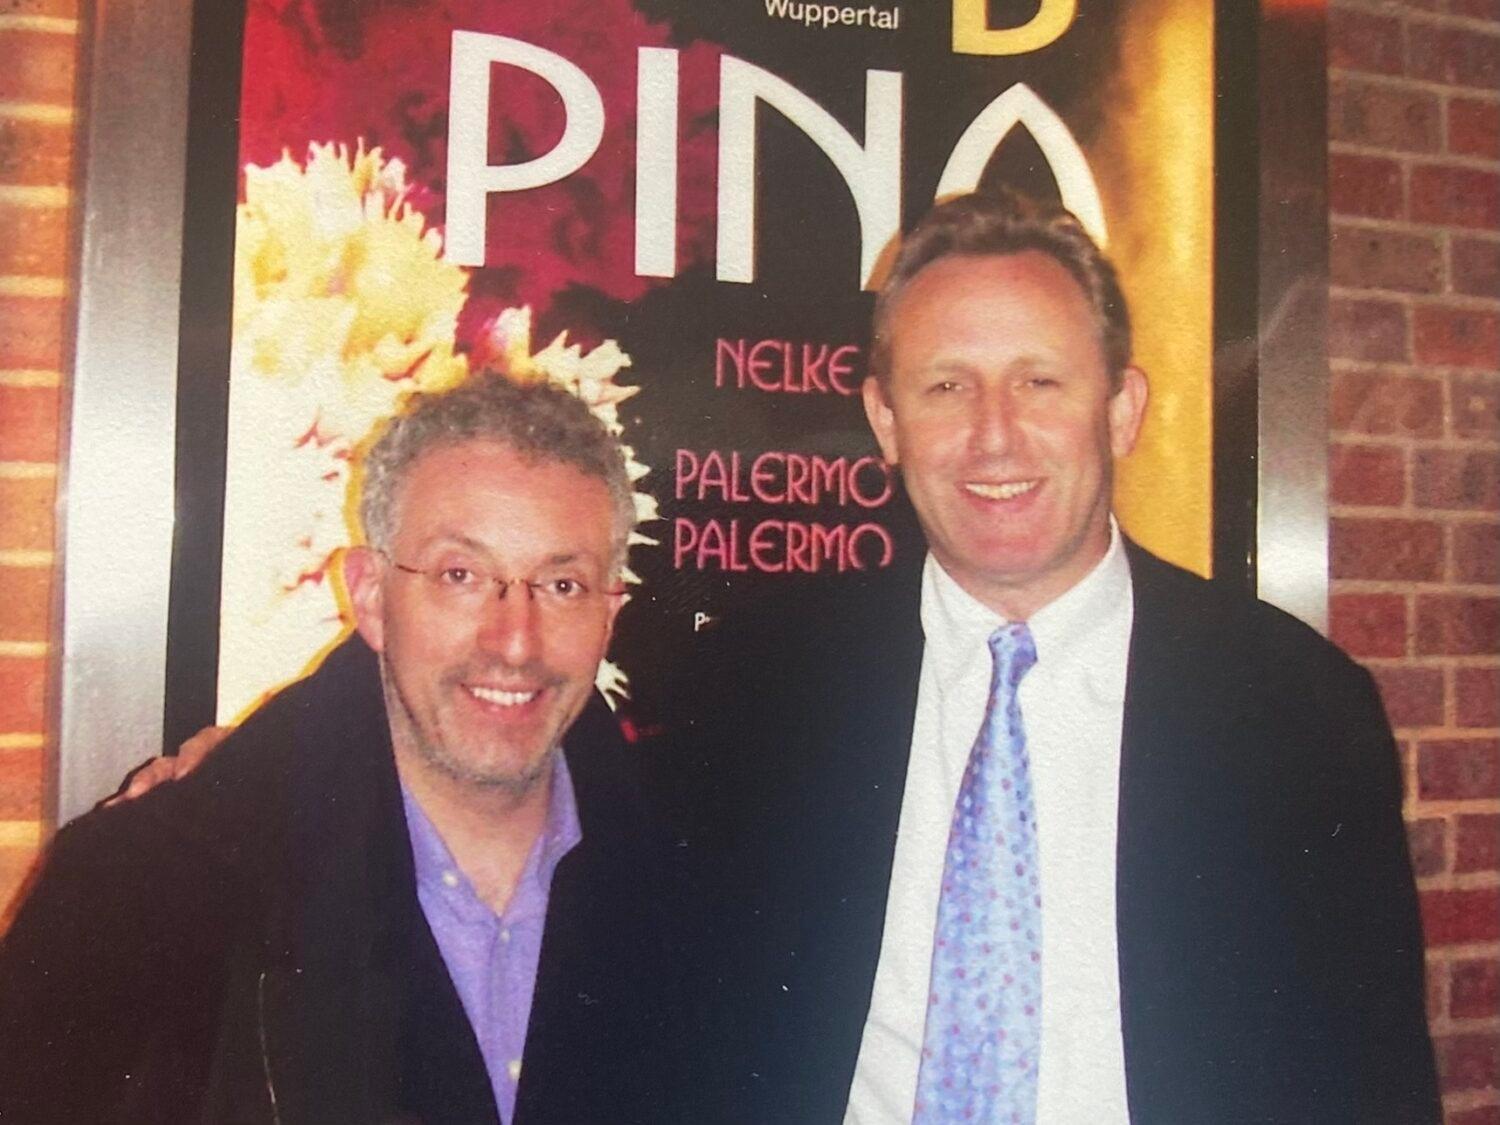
38 49
1414 190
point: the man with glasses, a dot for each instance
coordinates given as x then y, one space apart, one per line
1041 829
403 869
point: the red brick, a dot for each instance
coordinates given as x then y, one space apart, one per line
33 240
1456 479
1364 41
1365 113
1476 9
1364 185
28 423
1478 844
1459 917
39 66
1413 697
1476 552
20 784
1474 990
67 9
1456 337
1474 128
25 603
1468 1062
1485 1114
1361 258
1427 840
1459 197
1434 988
1367 474
1367 330
26 513
1477 692
1403 405
35 152
21 685
1455 769
1457 626
1476 406
1454 56
1366 625
1475 266
31 332
1386 549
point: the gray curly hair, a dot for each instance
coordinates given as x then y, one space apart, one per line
537 420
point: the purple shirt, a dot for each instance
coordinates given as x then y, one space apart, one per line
492 958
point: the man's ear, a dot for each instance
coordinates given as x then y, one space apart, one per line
364 574
1127 410
881 417
614 602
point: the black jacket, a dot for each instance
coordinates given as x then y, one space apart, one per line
1269 942
247 945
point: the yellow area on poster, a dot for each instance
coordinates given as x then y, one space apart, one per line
972 34
1153 159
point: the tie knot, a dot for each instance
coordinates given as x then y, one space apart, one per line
1014 652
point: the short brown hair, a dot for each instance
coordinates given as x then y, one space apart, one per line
1007 222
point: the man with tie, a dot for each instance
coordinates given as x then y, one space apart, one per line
1039 829
1046 829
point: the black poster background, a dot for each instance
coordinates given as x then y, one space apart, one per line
807 262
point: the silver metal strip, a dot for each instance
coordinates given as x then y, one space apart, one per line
1292 468
116 483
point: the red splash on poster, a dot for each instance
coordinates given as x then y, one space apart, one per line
339 71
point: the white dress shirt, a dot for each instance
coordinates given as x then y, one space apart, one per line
1072 705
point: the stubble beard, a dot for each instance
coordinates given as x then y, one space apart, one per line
408 732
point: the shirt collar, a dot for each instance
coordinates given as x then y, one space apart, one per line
1084 624
562 831
437 873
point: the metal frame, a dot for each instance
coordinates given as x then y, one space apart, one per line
1292 479
118 474
1270 352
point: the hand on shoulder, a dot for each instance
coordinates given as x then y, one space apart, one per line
190 755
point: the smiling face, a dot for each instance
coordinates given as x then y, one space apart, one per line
999 410
478 686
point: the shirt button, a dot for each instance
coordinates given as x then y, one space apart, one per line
450 878
505 937
513 1068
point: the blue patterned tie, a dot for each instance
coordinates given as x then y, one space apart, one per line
983 1037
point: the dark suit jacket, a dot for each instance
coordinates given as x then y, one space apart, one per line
1270 951
247 945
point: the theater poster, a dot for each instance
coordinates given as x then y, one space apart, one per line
678 210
